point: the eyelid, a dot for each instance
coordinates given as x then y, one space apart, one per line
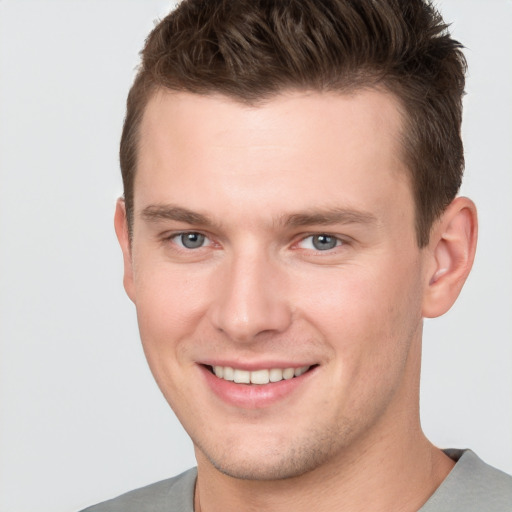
175 235
340 241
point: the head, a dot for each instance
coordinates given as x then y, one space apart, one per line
289 218
252 50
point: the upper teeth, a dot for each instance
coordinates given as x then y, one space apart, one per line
258 376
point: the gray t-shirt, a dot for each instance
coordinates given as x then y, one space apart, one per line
471 486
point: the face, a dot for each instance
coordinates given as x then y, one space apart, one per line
276 275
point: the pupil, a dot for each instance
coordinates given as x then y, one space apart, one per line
324 242
192 240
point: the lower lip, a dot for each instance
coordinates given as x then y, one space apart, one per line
254 396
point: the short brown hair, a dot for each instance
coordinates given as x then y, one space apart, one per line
252 49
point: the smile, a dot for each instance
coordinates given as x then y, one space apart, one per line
257 376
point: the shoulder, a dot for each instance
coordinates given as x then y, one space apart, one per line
471 486
172 495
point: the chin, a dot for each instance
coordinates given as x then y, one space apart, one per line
270 463
281 469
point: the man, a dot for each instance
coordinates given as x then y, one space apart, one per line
289 218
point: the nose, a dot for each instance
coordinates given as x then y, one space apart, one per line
250 299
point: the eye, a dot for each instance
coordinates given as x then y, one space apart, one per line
191 240
320 242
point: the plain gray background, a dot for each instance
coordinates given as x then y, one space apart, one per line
81 419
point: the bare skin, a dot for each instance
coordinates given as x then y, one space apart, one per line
384 478
282 236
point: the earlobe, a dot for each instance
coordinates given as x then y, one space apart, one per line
452 251
122 232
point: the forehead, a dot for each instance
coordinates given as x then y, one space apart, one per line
291 150
363 112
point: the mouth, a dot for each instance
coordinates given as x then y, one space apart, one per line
260 376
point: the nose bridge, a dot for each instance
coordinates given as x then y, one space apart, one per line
249 298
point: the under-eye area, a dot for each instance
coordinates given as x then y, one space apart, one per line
264 376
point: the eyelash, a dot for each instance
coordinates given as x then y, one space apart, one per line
177 236
177 240
338 242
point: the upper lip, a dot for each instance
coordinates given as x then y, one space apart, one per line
256 365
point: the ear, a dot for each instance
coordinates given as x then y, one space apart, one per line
121 227
451 253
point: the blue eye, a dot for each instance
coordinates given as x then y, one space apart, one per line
320 242
191 240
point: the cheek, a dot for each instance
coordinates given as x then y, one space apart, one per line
170 295
370 322
367 313
170 304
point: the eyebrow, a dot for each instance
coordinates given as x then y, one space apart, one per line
155 213
329 216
